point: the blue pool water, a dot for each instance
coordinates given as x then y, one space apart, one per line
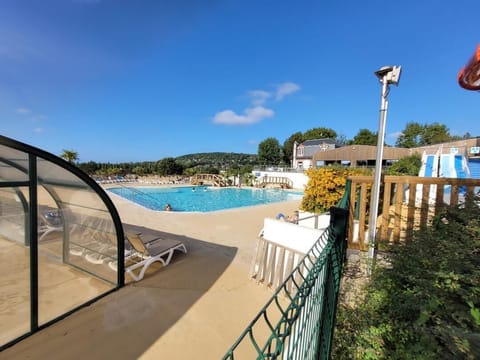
202 198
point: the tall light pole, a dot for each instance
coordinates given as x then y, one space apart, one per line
387 75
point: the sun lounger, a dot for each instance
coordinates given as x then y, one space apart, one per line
143 247
97 247
48 222
147 249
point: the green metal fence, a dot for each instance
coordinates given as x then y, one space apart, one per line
298 321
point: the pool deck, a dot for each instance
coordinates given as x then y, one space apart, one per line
195 308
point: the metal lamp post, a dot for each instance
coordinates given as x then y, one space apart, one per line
387 75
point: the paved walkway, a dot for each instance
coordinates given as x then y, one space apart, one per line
195 308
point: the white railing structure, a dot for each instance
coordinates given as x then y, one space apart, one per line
280 248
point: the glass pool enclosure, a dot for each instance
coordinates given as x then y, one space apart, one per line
61 240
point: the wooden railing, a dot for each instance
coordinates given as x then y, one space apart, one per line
215 180
284 182
407 203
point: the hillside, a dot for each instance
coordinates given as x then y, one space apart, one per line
216 159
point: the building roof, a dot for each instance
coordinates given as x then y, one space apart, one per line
354 153
316 142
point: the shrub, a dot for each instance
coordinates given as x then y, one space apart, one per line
326 186
409 165
426 303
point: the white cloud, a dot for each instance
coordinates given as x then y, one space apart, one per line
253 142
30 115
250 116
259 97
23 111
285 89
256 112
38 130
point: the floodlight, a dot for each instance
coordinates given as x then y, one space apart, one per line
384 70
390 74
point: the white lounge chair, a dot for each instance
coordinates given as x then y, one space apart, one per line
147 249
48 222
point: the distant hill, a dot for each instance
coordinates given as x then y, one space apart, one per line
216 159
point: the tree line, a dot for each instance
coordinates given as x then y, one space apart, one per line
270 152
211 163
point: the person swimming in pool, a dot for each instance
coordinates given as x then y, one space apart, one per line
168 207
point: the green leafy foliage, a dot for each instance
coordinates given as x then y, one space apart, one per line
409 165
287 147
69 155
416 134
191 163
219 160
319 133
410 136
169 166
425 303
365 137
269 152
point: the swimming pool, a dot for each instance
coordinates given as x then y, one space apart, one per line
202 198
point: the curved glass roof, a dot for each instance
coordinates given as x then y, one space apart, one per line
61 240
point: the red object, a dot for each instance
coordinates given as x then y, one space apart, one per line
469 75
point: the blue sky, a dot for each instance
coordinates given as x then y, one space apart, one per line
143 80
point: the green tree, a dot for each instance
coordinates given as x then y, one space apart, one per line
365 137
435 134
69 155
342 139
409 165
211 170
288 146
269 152
191 171
319 133
416 134
138 170
411 136
168 166
246 169
90 167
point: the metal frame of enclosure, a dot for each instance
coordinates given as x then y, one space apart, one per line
61 240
